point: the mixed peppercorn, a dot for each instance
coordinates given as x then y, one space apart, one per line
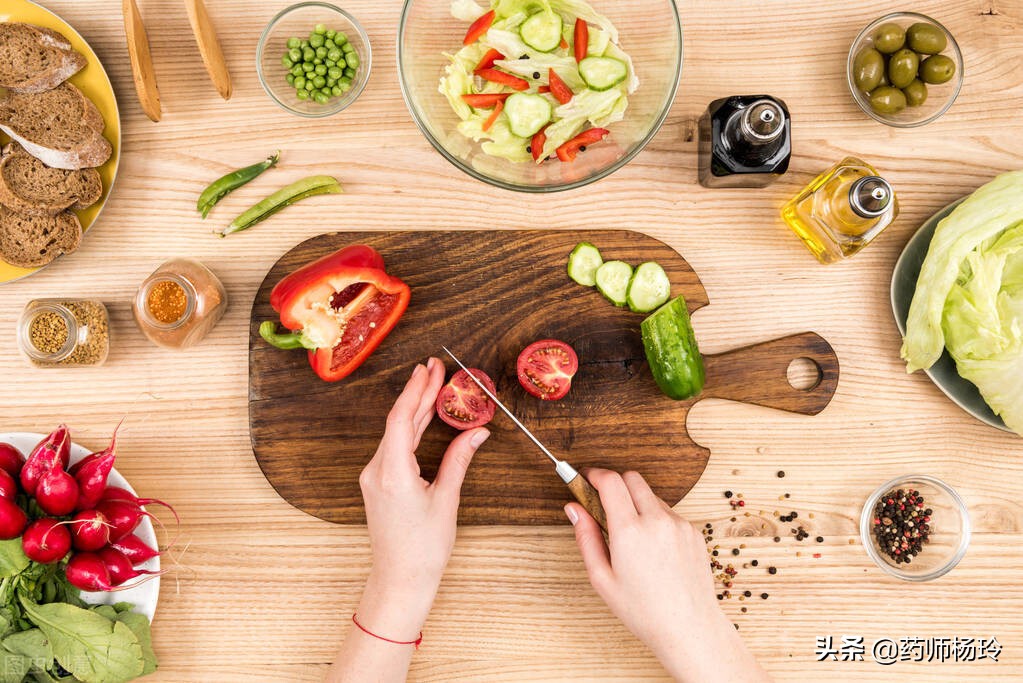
901 524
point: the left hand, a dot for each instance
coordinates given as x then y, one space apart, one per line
411 521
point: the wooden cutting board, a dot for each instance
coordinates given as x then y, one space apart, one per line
486 295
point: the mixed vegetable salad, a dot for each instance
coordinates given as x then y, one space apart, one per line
537 79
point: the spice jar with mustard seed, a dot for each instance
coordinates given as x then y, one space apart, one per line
178 305
56 333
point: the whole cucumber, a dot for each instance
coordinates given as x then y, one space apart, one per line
672 352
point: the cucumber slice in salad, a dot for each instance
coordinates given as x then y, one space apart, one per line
527 114
542 31
649 288
613 279
583 263
603 73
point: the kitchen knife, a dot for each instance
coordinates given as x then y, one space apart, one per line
581 489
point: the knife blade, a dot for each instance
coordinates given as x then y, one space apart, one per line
581 489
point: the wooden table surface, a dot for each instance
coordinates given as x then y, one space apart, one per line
264 592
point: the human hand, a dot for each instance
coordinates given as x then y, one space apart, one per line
654 574
411 521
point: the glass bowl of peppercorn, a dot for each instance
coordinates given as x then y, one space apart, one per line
915 528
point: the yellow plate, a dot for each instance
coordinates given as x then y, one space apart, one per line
94 82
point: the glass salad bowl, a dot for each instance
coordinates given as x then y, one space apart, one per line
649 32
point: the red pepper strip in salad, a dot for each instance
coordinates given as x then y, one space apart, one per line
562 93
536 145
569 150
479 27
495 76
543 88
485 101
488 60
582 39
563 44
493 116
340 315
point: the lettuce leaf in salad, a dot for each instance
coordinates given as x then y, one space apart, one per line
566 67
509 44
599 40
570 10
466 10
499 141
569 119
458 78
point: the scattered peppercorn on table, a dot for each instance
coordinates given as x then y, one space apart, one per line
264 592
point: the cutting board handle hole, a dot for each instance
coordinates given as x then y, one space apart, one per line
804 374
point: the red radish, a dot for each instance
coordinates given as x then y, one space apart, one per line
52 452
87 572
92 478
119 566
11 459
12 520
135 549
116 493
90 530
46 541
122 516
8 487
57 492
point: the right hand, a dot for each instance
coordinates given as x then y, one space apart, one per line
654 574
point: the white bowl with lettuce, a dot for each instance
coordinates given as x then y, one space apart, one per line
482 97
957 294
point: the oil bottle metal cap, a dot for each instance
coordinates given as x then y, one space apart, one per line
870 197
762 121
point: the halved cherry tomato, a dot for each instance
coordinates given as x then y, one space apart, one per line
489 59
536 145
485 101
495 76
493 116
562 93
479 27
462 404
569 150
582 39
546 368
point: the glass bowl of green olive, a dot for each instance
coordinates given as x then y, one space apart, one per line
905 69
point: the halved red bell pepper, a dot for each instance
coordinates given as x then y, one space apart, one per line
479 27
536 145
569 150
489 59
485 101
495 76
562 93
340 308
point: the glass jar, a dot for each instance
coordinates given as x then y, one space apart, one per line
54 333
178 305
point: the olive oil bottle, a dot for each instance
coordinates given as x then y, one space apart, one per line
842 210
745 141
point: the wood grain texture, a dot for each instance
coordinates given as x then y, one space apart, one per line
487 295
265 592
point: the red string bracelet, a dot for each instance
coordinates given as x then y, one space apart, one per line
362 628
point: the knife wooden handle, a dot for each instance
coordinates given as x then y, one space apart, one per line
589 499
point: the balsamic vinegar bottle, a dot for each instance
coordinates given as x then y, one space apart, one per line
745 141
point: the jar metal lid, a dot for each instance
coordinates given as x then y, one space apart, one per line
870 196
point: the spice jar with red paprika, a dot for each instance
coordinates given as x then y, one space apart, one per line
178 305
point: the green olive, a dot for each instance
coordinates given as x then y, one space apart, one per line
926 39
868 69
915 92
889 38
937 69
887 100
902 67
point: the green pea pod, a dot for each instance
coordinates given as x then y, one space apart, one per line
296 192
220 187
671 351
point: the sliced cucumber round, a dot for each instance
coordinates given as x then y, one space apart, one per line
603 73
613 279
583 263
542 31
649 288
527 113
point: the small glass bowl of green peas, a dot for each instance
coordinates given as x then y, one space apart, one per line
313 59
905 69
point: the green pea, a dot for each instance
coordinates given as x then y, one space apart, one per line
916 93
307 67
926 38
348 47
887 100
329 62
304 44
302 94
319 82
335 72
294 43
290 79
889 38
317 61
325 90
342 81
331 82
320 29
309 85
329 44
308 54
937 69
315 40
321 52
330 34
297 70
320 69
295 55
299 81
287 63
902 67
341 37
350 72
334 55
345 86
320 97
352 59
336 91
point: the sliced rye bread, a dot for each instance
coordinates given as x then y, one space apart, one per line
60 127
34 59
32 241
29 186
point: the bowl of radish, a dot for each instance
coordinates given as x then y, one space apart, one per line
100 523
